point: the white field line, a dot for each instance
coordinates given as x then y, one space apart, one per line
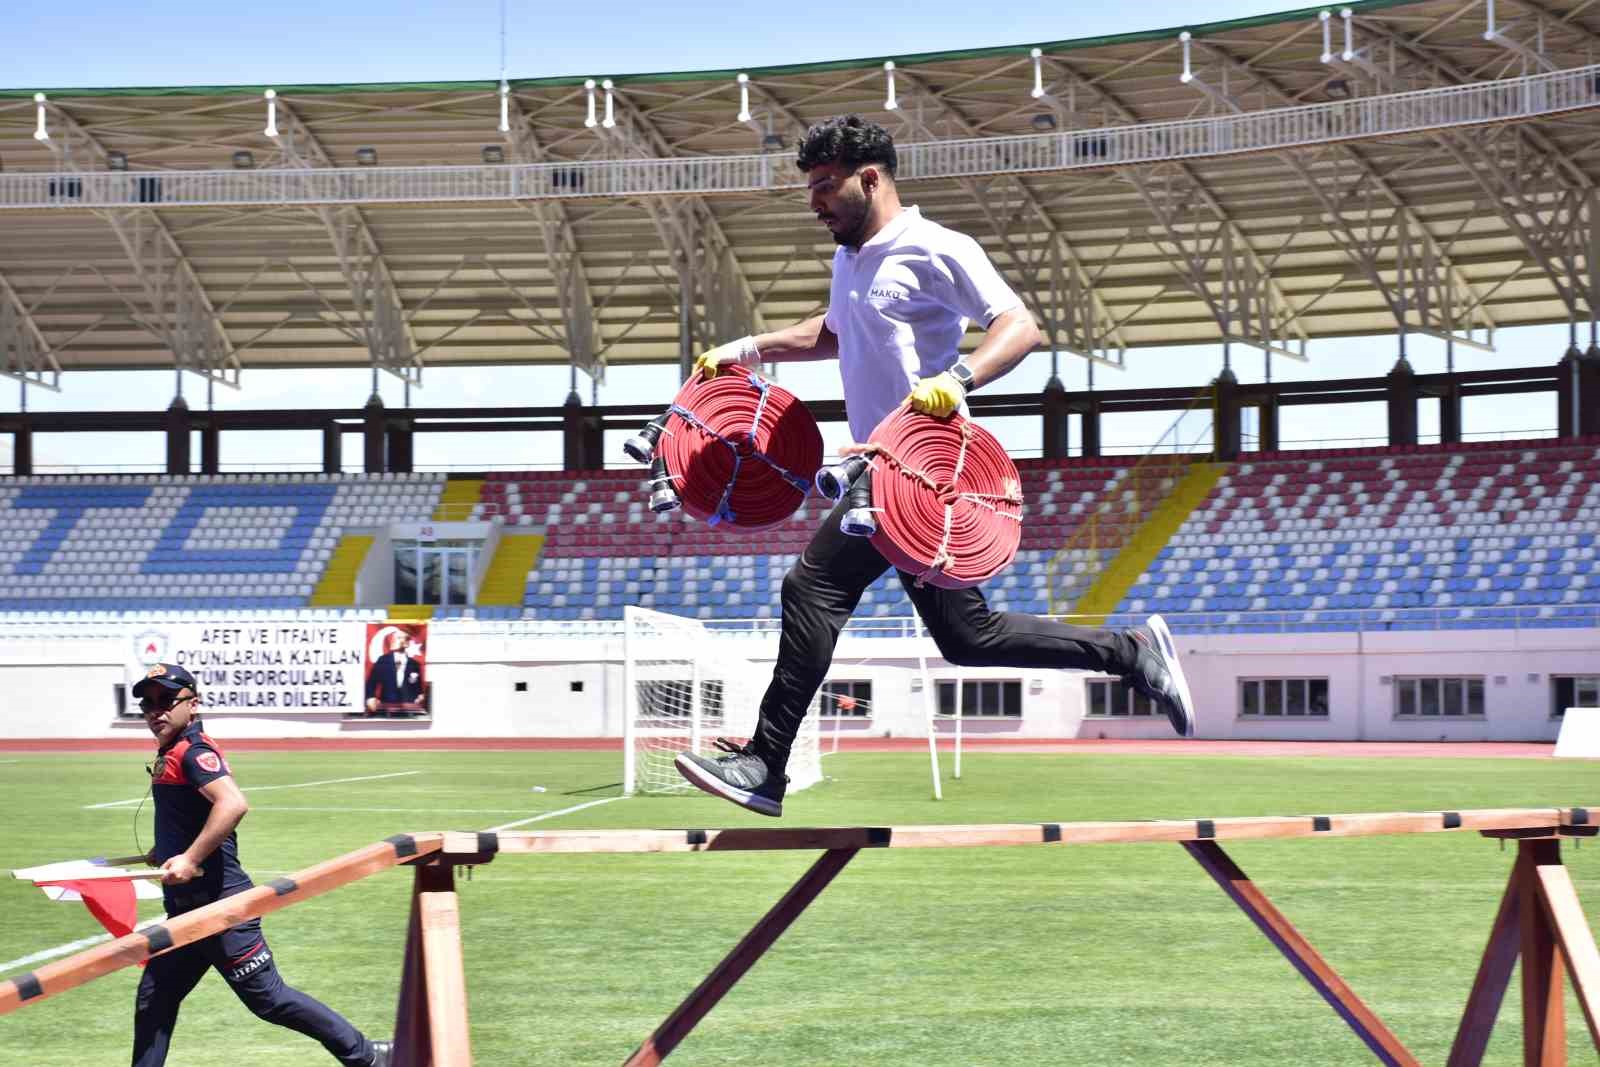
264 788
69 947
552 814
10 761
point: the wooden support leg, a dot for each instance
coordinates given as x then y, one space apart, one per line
744 955
442 964
1577 943
1544 1014
431 1020
1298 951
412 1041
1494 975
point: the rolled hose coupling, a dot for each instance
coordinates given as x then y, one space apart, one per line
858 520
833 482
663 494
734 450
641 447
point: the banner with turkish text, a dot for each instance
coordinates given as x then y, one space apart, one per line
262 666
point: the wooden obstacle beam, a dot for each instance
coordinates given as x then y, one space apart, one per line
1065 833
431 1017
1546 907
213 918
1540 919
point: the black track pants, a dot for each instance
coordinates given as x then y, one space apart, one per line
240 954
824 586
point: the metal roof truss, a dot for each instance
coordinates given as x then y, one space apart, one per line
176 309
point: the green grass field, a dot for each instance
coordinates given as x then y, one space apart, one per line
1110 954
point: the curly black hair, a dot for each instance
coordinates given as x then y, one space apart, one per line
849 140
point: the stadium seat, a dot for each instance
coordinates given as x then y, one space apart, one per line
112 543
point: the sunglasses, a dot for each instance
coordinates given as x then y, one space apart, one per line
152 705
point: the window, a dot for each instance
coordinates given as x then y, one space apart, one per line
434 572
1573 691
845 700
1438 698
1279 698
982 698
1110 698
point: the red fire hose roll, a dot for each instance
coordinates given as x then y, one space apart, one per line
740 450
947 498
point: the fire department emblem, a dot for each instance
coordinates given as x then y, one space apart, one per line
150 648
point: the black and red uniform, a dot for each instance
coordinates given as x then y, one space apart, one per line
240 953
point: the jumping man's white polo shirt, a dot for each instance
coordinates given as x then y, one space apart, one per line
899 306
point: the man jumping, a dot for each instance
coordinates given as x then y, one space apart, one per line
904 289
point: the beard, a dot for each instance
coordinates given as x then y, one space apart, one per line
852 239
852 222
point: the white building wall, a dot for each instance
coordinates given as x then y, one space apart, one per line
65 688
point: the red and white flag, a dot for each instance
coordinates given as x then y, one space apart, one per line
111 893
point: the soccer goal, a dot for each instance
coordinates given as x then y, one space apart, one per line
1580 734
687 685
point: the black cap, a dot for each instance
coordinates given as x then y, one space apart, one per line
167 676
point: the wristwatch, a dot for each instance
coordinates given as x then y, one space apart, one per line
963 374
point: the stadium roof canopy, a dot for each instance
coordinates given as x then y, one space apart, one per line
1268 181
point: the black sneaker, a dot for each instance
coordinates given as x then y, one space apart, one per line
1158 675
382 1054
741 776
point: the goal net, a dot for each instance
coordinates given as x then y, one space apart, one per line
687 685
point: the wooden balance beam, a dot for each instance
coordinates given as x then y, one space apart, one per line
192 926
1540 919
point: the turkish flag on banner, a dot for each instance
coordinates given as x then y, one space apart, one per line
110 900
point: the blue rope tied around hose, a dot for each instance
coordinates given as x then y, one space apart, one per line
723 513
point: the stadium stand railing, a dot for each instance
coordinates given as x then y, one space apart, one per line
1438 107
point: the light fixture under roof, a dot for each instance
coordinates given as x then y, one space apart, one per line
117 160
1338 88
1044 122
493 153
772 140
243 159
367 156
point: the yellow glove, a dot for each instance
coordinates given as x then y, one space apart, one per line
938 396
742 352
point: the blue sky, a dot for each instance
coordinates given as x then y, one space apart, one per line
93 43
